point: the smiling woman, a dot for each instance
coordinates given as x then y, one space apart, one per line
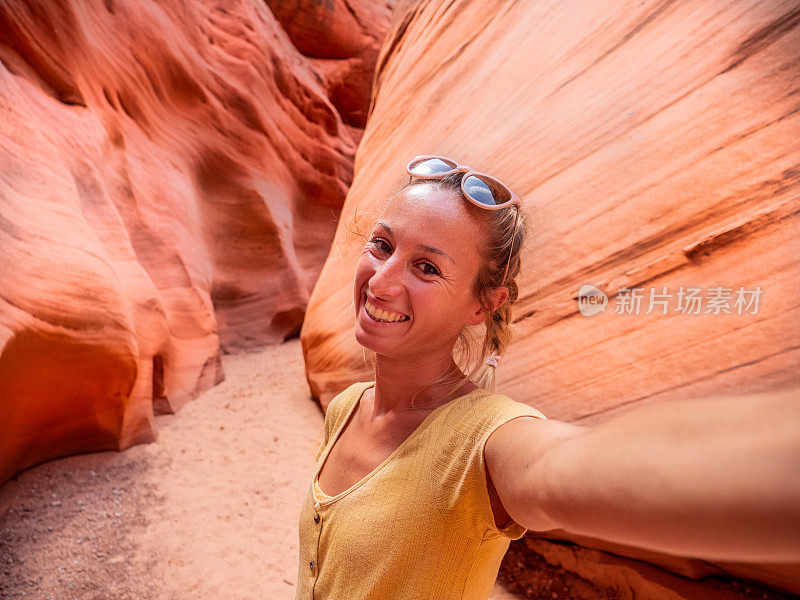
483 273
425 474
408 269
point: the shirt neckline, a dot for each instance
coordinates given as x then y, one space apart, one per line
321 496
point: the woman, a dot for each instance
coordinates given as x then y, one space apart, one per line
424 475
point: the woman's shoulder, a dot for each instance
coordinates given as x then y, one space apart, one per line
344 400
500 405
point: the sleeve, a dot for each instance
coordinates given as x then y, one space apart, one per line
459 468
512 410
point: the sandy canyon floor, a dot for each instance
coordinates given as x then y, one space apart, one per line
209 510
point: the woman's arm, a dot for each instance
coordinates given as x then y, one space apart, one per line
716 478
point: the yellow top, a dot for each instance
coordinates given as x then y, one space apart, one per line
420 525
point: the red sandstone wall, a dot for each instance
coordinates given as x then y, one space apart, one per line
654 144
171 174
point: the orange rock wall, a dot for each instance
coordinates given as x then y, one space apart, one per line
654 145
171 174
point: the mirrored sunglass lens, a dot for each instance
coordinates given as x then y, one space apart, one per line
431 166
479 191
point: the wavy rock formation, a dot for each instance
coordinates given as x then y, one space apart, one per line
171 174
655 146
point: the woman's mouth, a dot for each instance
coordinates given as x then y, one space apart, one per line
383 316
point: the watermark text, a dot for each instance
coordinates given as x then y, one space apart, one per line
715 300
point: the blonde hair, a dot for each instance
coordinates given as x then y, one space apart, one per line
470 353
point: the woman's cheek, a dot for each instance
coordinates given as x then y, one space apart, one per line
364 263
361 276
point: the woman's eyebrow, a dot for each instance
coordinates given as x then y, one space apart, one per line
436 251
430 249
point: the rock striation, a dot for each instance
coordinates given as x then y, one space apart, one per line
171 175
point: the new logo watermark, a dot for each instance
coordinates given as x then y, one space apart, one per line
687 300
591 300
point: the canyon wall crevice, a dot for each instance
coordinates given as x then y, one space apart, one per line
171 175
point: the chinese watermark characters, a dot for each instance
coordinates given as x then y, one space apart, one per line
715 300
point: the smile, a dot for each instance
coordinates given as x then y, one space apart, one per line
384 316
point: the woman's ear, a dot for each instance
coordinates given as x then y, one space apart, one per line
496 298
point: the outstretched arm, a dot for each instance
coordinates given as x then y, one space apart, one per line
716 478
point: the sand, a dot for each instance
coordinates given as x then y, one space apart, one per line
209 510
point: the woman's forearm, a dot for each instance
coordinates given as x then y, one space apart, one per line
716 478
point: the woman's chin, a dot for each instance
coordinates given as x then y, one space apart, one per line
368 340
375 342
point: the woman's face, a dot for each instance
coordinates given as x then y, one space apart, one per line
418 265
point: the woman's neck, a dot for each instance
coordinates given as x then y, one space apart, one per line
428 381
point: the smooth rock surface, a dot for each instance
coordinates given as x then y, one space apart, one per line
171 174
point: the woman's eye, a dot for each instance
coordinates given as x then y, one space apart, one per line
429 269
380 244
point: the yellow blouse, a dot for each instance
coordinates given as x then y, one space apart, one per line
420 525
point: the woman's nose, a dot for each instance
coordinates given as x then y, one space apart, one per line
387 280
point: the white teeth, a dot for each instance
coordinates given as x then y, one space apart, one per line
380 314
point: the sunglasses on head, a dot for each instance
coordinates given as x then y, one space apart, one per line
479 188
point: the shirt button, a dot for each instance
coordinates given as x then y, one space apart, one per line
311 564
316 518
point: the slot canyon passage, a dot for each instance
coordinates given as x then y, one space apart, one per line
178 185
